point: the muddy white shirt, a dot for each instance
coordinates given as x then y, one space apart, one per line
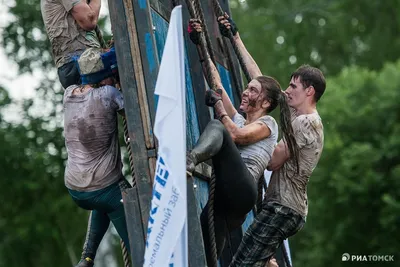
286 187
256 156
91 138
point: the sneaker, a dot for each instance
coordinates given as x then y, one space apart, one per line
86 262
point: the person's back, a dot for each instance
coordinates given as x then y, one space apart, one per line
91 138
93 173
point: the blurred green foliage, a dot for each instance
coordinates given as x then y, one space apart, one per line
328 34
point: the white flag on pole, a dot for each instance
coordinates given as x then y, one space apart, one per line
166 242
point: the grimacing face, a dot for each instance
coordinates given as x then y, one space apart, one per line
296 93
252 94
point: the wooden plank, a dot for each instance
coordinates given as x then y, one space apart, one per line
148 51
196 249
213 30
138 68
226 81
132 110
234 71
148 47
161 28
162 7
232 62
197 78
197 255
134 224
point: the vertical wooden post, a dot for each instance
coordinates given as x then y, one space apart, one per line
137 53
138 122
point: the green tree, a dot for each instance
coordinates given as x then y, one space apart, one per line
282 35
38 219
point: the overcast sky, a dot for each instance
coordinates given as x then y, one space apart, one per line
18 86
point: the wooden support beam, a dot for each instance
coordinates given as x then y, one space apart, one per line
138 69
197 256
133 112
135 226
138 61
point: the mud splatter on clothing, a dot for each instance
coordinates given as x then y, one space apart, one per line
91 138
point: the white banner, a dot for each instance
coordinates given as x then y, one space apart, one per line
166 243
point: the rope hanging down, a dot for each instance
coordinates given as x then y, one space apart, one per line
200 13
125 252
210 217
100 37
220 12
193 7
205 56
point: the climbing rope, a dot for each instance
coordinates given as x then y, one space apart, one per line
100 37
211 226
220 12
200 15
125 252
129 149
193 12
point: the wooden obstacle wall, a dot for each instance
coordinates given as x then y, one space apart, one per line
140 29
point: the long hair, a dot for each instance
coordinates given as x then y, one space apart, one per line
275 96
